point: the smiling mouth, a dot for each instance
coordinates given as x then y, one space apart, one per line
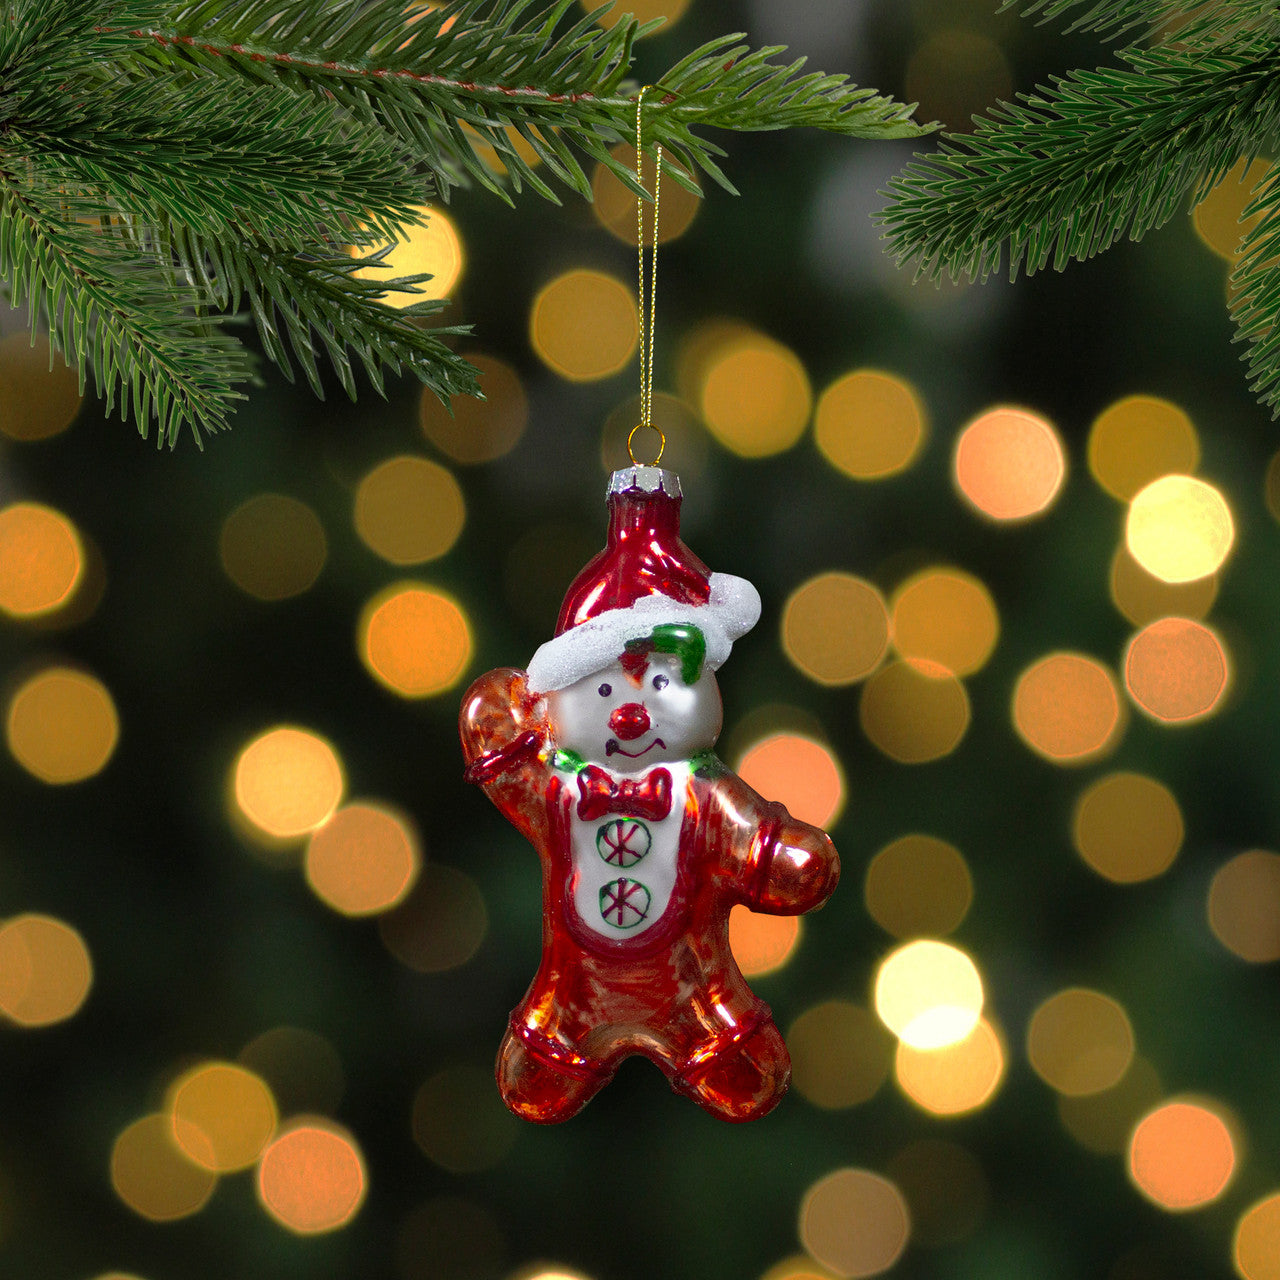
613 746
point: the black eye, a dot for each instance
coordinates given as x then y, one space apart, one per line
660 682
605 690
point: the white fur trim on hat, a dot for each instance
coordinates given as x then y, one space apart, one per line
732 610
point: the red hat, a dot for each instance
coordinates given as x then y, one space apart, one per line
645 576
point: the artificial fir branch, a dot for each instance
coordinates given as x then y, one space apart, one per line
224 154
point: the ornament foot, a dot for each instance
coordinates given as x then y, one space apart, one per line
743 1081
537 1088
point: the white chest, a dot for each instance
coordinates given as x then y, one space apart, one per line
625 867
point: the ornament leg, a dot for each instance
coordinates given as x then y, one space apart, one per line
743 1081
539 1086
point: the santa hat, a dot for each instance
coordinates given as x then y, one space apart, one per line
644 577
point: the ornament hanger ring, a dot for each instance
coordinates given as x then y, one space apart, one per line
662 444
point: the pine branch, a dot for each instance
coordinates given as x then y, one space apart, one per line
1255 292
1168 20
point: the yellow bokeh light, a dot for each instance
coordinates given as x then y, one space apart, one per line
62 725
1066 708
945 1189
614 204
1244 906
762 944
641 10
953 1079
945 616
918 886
929 994
870 424
440 925
1217 218
855 1222
273 546
41 559
471 430
1138 439
1102 1122
287 782
433 246
459 1121
584 325
153 1176
414 640
955 74
409 510
1127 827
1080 1042
363 860
543 1272
798 772
835 628
1176 670
1256 1246
1009 464
839 1054
1179 528
36 401
755 396
1143 598
797 1267
222 1115
914 711
311 1178
45 970
1182 1155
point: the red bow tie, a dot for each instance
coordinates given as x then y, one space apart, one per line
649 798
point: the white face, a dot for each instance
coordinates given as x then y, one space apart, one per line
628 723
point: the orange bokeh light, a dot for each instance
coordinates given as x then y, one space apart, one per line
799 772
363 860
955 1078
945 616
1181 1155
762 943
312 1179
1176 670
1066 708
1009 464
287 782
414 640
1256 1247
41 559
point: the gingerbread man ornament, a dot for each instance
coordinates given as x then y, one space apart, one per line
601 756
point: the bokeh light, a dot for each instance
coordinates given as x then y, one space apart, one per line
945 1188
870 424
641 10
914 711
41 559
614 205
1256 1246
45 970
1137 440
761 943
584 325
272 546
1127 827
945 616
1143 598
363 860
311 1178
1179 528
62 725
440 925
1244 906
433 246
835 628
1080 1042
153 1176
952 1079
929 994
223 1116
1102 1122
1182 1155
36 401
797 1267
460 1122
840 1054
755 396
301 1068
918 886
287 781
1066 708
414 640
409 510
1218 217
956 74
1176 670
472 430
798 772
1009 464
855 1222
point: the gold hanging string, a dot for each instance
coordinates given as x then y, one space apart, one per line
646 313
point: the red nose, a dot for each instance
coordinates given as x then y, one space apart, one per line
629 721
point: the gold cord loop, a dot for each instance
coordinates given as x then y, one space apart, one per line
646 312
